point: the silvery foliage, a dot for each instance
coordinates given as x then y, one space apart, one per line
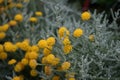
91 60
98 60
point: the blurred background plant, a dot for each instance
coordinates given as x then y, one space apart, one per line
48 40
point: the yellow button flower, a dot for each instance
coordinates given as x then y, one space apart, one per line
38 13
44 61
12 61
33 72
63 32
65 65
34 48
12 23
24 61
46 51
78 32
3 55
5 27
66 41
86 15
19 67
23 45
2 35
67 49
55 61
18 17
91 37
9 47
33 63
33 19
42 44
33 55
51 41
50 58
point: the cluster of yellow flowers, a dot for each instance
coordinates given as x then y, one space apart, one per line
41 53
64 35
3 29
32 52
9 4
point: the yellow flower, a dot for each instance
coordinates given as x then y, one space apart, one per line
55 61
38 13
63 32
47 70
86 15
12 61
51 41
19 5
91 37
3 55
33 63
19 67
1 48
33 19
9 47
12 23
78 32
16 78
67 49
27 55
5 27
34 48
23 45
56 78
44 61
72 78
24 61
42 44
50 58
33 72
33 55
66 41
2 35
65 65
18 17
47 51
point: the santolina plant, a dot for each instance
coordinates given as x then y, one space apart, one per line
56 44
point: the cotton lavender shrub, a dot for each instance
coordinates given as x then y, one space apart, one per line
58 43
